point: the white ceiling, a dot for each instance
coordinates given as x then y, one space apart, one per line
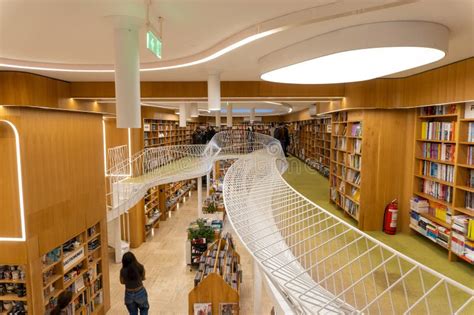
77 33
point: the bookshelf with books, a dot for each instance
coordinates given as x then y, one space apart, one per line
171 195
13 290
442 209
152 211
346 160
158 132
311 142
76 266
219 276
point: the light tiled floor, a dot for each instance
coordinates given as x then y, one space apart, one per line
169 280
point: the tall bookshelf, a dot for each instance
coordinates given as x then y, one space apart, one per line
76 266
158 132
311 142
346 161
442 207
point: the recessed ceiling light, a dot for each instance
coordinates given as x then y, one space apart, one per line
358 53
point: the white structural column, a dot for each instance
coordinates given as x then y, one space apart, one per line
229 115
199 205
127 72
252 115
208 184
182 115
218 118
194 112
214 92
257 288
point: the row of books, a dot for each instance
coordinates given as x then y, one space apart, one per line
355 161
340 116
470 133
462 246
438 130
355 193
470 155
436 233
437 190
438 110
353 176
340 130
421 205
438 151
437 170
469 200
340 144
358 146
351 207
356 130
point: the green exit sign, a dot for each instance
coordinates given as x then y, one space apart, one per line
153 43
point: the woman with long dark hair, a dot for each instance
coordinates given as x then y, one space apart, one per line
132 275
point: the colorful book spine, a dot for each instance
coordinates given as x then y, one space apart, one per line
438 130
437 190
438 170
439 151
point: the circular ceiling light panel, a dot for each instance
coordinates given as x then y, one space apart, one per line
357 53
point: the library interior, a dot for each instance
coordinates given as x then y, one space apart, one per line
236 157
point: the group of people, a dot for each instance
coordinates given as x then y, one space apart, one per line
282 134
203 136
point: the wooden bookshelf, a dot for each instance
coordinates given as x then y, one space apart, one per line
76 266
158 132
14 288
311 142
346 161
444 177
218 277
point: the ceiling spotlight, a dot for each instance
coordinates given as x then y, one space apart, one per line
357 53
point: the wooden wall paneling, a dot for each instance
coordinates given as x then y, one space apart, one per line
22 88
10 224
63 172
13 253
386 170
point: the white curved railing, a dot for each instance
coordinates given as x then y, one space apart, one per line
322 264
319 263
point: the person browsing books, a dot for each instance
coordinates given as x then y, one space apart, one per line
132 275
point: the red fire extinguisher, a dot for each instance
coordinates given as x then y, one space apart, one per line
390 217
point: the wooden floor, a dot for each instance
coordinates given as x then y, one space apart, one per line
168 278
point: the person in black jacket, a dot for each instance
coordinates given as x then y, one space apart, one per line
283 135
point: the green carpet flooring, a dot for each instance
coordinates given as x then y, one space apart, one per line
316 188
